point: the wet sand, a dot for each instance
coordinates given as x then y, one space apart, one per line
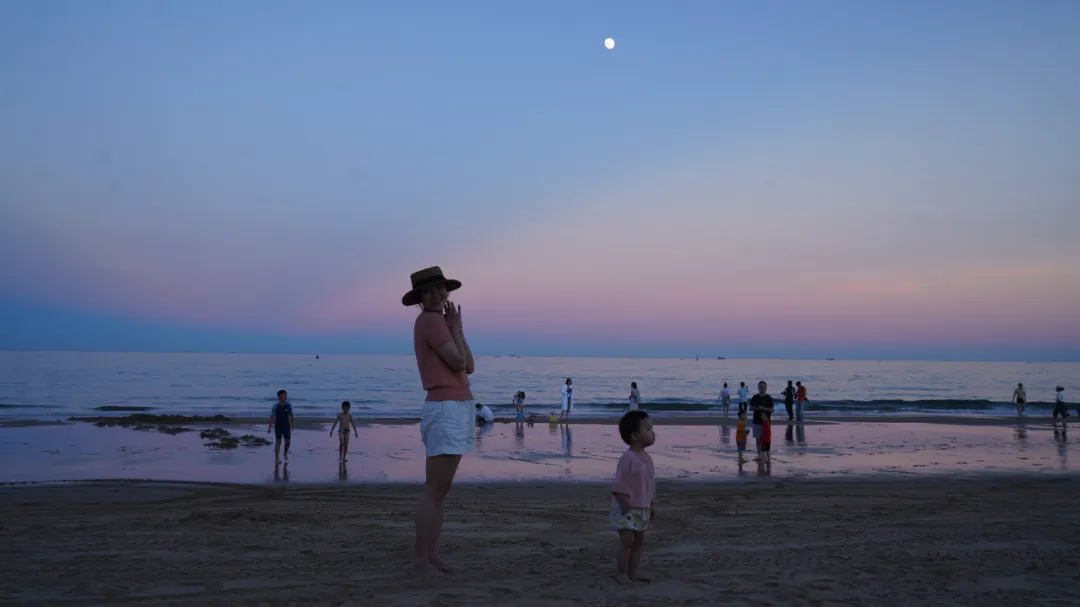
1002 541
659 418
541 452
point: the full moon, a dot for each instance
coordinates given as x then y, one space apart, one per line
609 43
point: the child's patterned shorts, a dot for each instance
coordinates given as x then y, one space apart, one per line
636 519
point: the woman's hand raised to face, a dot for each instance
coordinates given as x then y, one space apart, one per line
452 314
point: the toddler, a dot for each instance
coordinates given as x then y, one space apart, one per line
765 444
632 494
740 434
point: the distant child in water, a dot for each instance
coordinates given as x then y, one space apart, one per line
633 494
281 422
343 422
740 434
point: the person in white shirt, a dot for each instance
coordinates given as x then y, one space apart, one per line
1060 408
635 396
744 396
484 414
725 399
567 399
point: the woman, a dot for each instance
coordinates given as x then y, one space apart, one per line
519 405
567 399
446 424
635 396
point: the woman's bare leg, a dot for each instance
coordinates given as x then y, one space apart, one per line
440 471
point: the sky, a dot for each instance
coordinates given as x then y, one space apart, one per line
895 179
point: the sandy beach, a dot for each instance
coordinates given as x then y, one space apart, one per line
1003 541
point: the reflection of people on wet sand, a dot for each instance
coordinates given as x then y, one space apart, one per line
1020 398
281 422
567 438
1021 436
345 421
1062 440
444 361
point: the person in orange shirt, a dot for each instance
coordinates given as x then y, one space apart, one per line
740 435
800 398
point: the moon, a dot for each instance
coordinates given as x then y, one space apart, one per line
609 43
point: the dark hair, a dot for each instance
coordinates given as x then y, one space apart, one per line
521 394
345 404
280 392
789 382
633 384
631 423
725 384
478 405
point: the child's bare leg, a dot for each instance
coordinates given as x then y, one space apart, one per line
277 451
287 441
634 564
622 556
345 447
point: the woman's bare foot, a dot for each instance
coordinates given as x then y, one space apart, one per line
622 578
440 564
424 568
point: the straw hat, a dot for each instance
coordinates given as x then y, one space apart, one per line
426 278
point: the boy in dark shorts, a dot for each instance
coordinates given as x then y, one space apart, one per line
766 439
281 421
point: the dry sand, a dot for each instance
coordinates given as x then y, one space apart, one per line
999 541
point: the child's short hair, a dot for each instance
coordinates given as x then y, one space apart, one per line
280 392
478 405
631 423
345 404
742 414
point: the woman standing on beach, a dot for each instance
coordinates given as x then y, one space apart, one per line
446 424
519 405
567 399
635 396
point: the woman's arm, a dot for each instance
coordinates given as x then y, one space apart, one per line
470 365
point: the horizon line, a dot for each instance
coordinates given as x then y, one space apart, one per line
410 354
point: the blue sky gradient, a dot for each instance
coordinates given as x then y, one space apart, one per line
886 179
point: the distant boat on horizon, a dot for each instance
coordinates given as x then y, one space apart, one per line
830 358
721 358
316 357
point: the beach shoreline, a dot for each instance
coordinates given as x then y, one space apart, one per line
659 418
927 541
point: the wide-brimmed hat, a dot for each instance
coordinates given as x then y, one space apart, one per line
426 278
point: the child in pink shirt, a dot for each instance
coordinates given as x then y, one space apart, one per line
632 494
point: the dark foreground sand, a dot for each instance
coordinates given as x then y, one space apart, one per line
1000 541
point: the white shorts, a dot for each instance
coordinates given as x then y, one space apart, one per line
447 427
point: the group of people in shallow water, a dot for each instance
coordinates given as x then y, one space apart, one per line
1020 399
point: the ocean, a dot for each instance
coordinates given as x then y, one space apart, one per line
51 386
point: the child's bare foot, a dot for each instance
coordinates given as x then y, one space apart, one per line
640 578
440 564
424 568
286 457
622 578
277 461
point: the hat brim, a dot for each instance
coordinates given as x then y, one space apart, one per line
412 298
